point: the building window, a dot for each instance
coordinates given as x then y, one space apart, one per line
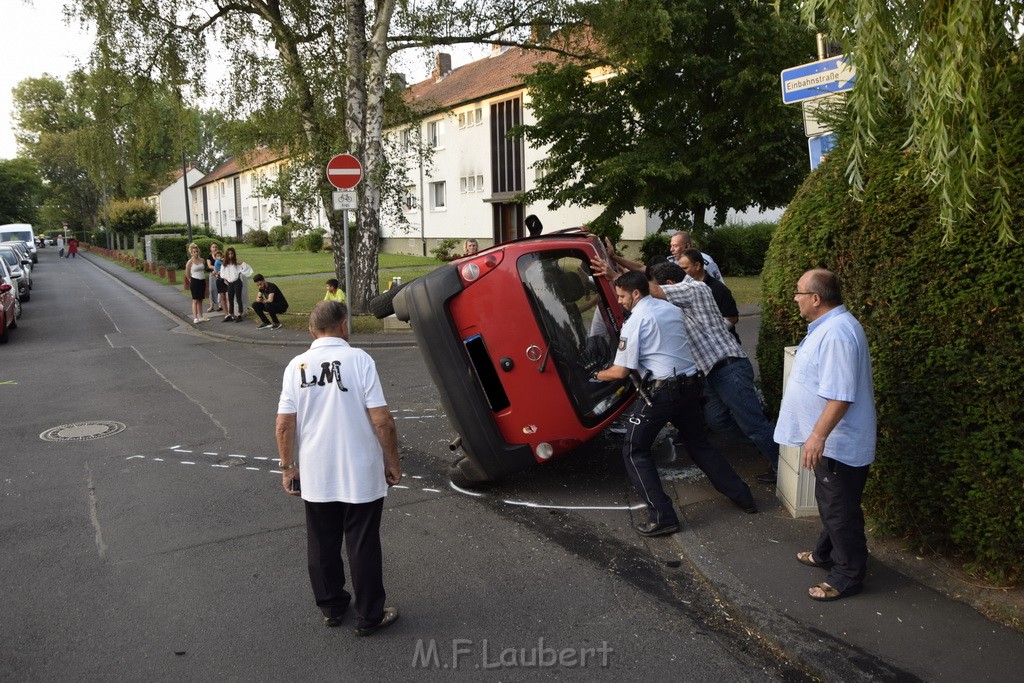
223 189
409 201
506 153
478 116
437 196
462 120
434 131
464 185
406 140
471 183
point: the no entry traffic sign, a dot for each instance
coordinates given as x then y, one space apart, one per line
344 171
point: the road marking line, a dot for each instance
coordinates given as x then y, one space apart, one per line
397 486
209 453
224 466
432 490
187 462
159 459
253 468
132 457
236 455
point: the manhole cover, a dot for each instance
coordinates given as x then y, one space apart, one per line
83 431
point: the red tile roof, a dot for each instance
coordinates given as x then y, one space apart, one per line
493 75
235 165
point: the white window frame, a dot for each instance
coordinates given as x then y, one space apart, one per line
438 190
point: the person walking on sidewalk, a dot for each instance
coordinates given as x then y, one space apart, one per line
829 409
731 404
60 246
269 301
233 271
654 343
195 282
72 248
332 405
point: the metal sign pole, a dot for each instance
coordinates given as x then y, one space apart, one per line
348 288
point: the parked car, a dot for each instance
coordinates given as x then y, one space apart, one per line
26 260
7 276
21 232
14 263
8 317
511 336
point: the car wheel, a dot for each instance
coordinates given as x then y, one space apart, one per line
17 308
3 328
26 296
465 474
383 305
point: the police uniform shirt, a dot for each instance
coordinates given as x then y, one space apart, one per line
339 455
654 338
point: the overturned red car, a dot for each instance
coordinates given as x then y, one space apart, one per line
511 336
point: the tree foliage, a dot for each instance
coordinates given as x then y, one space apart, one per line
312 75
21 191
946 64
131 217
679 113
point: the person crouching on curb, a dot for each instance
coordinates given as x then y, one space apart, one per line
333 406
269 301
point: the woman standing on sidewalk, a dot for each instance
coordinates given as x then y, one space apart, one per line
232 273
195 280
214 291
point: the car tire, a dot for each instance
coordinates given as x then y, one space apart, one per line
14 320
3 328
26 296
465 474
17 308
383 305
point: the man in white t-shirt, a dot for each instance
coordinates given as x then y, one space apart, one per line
332 421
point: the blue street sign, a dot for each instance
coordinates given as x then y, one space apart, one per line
817 79
819 147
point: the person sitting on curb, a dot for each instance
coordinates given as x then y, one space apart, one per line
333 293
269 301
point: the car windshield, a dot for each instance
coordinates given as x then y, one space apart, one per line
580 331
13 260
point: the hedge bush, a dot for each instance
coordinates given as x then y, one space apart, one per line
945 323
258 238
739 249
655 244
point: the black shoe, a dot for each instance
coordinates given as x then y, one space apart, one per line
227 319
652 529
768 477
390 617
238 318
333 622
749 509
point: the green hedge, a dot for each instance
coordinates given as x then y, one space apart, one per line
739 249
945 323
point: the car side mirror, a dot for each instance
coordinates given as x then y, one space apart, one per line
26 262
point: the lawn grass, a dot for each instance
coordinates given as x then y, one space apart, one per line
274 263
746 290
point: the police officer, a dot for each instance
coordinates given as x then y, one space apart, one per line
654 343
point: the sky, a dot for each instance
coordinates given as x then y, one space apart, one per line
34 40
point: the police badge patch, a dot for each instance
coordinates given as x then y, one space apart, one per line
622 343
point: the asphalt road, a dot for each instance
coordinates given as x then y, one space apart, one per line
167 551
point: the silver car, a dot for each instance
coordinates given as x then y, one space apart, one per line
17 267
7 276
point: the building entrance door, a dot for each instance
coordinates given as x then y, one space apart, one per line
508 222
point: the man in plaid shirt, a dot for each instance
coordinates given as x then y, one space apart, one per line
731 404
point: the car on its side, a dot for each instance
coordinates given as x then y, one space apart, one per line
8 316
14 263
511 337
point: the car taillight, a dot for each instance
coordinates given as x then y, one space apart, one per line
474 269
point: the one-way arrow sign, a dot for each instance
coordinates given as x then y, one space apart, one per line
817 79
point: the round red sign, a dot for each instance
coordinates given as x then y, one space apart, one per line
344 171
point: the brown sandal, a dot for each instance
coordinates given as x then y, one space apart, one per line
807 557
829 593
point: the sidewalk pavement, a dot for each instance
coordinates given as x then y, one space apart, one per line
176 302
896 630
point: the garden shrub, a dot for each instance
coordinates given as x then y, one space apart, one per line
655 244
445 249
258 238
280 235
945 324
739 249
314 240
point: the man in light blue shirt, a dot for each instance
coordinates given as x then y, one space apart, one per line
829 410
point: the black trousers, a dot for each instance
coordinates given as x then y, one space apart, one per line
273 308
838 489
682 408
358 525
235 295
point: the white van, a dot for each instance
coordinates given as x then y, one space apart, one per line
23 233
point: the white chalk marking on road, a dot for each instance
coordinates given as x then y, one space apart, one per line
132 457
236 455
466 491
545 506
260 457
253 468
159 459
187 462
179 390
417 476
173 447
181 450
223 466
205 453
416 417
276 472
398 486
431 490
94 516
